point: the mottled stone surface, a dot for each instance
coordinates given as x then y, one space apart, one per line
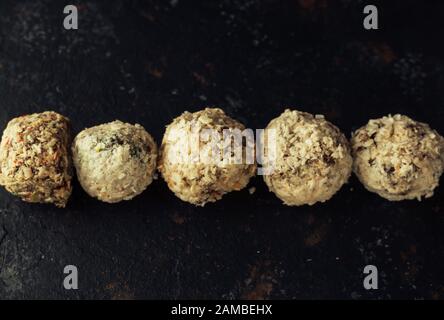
147 62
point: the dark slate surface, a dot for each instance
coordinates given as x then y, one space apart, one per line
148 61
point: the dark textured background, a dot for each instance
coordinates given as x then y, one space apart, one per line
148 61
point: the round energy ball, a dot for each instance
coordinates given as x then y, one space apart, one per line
398 158
189 165
34 158
312 158
114 161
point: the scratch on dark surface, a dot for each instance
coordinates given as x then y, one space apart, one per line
177 275
3 234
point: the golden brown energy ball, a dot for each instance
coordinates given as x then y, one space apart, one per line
398 158
34 158
114 161
194 176
312 159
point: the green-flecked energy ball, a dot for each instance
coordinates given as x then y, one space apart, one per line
114 161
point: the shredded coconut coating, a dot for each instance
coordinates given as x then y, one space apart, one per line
114 161
398 158
201 181
34 158
313 158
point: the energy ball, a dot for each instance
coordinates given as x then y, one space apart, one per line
199 179
114 161
34 158
312 158
398 158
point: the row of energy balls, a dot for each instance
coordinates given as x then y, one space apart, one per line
394 156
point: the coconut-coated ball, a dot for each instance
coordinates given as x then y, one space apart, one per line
398 158
196 177
312 159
